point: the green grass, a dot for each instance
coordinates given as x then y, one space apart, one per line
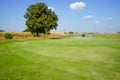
108 36
60 59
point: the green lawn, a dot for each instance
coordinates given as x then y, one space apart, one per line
60 59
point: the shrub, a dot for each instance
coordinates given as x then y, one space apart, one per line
8 36
83 35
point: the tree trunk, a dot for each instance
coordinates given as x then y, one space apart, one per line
37 34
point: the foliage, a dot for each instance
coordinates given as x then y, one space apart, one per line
2 31
65 32
83 35
118 32
26 30
64 59
40 19
8 36
76 33
71 32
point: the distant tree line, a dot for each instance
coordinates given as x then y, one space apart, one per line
71 32
2 31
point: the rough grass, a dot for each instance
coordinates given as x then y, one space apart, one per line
60 59
28 35
108 36
17 35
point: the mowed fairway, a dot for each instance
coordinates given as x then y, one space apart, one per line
60 59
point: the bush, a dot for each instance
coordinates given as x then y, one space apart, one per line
83 35
8 36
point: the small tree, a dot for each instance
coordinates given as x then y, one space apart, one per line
83 35
40 19
8 36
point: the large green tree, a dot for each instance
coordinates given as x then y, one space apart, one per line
40 19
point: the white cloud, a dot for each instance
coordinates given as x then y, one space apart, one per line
51 8
103 20
107 19
88 17
97 22
77 5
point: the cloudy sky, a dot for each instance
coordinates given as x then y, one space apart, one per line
74 15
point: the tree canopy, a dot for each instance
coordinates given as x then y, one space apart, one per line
40 19
2 31
26 30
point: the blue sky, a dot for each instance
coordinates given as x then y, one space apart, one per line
74 15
